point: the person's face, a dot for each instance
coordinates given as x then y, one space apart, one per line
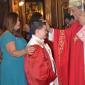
67 21
71 22
76 12
17 25
82 18
26 28
42 33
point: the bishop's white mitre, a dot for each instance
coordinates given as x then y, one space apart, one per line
76 3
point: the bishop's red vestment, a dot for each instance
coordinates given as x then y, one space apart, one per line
62 51
77 58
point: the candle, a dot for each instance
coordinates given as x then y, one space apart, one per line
82 4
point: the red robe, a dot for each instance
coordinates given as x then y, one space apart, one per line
38 67
77 63
62 49
60 56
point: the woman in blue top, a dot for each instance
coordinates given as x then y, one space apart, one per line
0 51
13 48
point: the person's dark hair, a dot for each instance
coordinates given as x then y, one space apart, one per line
38 24
67 16
35 16
72 17
9 22
1 31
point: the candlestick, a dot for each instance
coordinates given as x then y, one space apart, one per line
82 5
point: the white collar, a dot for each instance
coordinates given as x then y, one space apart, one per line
38 39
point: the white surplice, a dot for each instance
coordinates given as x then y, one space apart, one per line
81 36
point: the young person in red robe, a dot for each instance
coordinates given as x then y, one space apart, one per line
39 67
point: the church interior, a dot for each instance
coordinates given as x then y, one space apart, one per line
52 10
60 34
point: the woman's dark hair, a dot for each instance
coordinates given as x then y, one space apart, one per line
9 22
38 24
1 31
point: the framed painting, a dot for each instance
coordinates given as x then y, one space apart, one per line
33 6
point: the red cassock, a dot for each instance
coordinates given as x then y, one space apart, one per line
38 67
62 51
77 63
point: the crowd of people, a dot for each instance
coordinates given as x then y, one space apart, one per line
33 61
